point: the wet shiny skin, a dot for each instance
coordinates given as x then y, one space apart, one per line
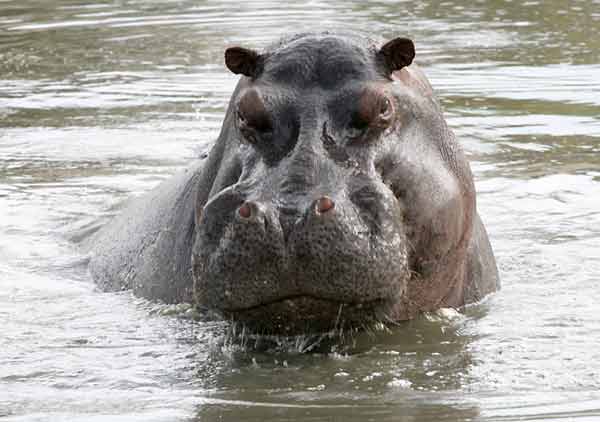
99 103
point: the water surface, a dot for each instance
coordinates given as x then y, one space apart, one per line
101 100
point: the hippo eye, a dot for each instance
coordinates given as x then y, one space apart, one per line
385 109
251 131
253 120
241 119
373 114
384 112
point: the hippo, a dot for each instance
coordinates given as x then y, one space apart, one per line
335 197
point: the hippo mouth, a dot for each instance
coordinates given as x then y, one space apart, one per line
301 314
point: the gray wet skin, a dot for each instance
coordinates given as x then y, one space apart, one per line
335 197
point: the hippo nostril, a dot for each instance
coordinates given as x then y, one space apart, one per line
245 211
324 205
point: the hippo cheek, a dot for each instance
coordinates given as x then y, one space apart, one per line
436 219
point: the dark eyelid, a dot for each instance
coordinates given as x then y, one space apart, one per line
252 112
373 112
373 104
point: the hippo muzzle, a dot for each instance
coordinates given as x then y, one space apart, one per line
300 261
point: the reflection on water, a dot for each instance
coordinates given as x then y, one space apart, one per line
101 99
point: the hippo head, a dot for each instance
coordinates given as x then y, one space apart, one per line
331 177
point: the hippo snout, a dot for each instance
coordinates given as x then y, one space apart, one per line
252 256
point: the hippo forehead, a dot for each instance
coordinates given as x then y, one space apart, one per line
326 61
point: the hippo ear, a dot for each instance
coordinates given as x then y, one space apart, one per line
244 61
397 53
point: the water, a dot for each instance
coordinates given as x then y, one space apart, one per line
100 100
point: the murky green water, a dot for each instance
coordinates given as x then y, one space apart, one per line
103 99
